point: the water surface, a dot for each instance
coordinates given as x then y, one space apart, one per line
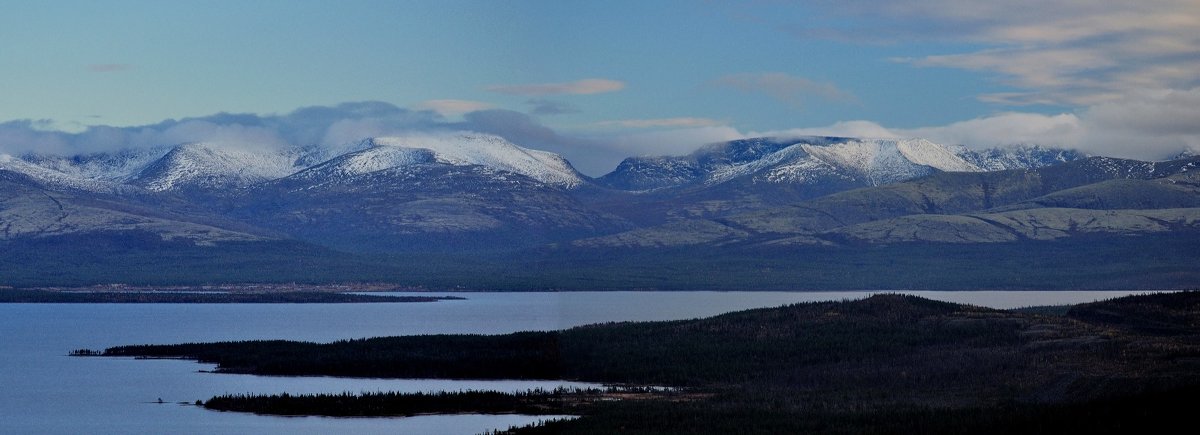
44 391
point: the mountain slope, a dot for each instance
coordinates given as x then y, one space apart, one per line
1033 224
451 192
941 193
29 210
476 149
740 176
59 180
807 160
211 169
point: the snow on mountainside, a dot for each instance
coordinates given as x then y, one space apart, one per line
199 165
59 180
211 168
364 162
462 149
204 167
805 160
113 166
1018 157
396 154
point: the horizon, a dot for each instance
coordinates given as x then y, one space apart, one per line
597 83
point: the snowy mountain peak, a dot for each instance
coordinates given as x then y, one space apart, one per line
462 149
373 159
811 159
208 166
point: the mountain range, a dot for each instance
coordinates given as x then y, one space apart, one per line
414 209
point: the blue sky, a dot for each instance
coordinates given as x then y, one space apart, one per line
624 77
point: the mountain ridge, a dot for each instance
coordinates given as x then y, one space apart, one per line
498 214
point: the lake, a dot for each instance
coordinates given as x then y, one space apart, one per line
44 391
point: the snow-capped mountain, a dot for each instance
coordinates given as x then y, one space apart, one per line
210 167
810 160
465 149
398 155
58 180
464 190
116 166
1018 157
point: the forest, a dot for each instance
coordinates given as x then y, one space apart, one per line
1150 262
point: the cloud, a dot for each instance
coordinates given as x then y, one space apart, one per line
661 122
864 129
543 106
1061 52
1148 125
109 67
668 142
452 107
317 125
24 135
783 87
1151 127
580 87
1063 130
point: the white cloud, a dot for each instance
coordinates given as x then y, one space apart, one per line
452 107
579 87
865 129
1064 52
1063 130
225 135
1149 125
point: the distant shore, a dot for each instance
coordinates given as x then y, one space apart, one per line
202 295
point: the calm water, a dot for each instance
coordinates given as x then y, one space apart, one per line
44 391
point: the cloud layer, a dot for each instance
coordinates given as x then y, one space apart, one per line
1063 52
542 106
452 107
1150 126
316 125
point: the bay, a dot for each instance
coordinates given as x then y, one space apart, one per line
44 391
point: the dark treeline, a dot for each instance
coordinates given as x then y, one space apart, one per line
1119 263
1158 412
533 402
888 361
43 296
728 348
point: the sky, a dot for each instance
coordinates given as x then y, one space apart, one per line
599 81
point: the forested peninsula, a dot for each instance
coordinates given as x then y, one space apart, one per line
884 364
